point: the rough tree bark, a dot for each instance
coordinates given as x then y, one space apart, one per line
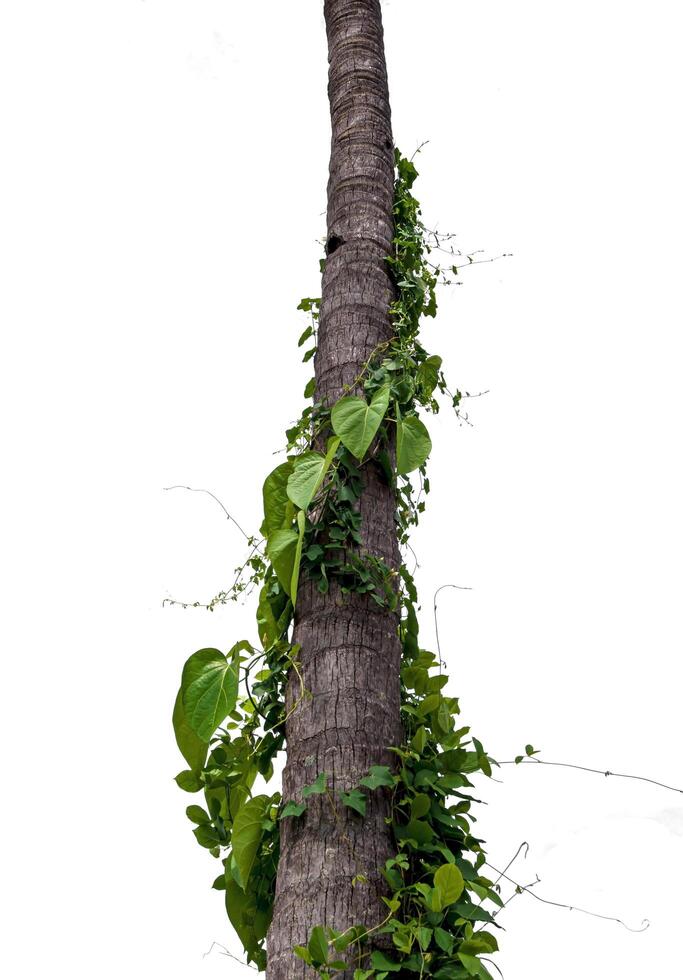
349 646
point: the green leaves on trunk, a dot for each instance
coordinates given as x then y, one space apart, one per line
356 422
312 515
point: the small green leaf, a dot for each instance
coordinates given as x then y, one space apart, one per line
207 836
188 781
378 776
293 810
418 830
308 332
419 740
471 964
303 953
197 815
420 806
309 390
449 883
319 786
381 961
356 423
413 444
272 616
428 373
355 800
444 940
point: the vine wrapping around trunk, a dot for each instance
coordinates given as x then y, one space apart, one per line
359 867
420 899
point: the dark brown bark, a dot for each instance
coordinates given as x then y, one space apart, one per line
349 646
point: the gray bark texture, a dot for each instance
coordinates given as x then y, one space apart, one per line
350 649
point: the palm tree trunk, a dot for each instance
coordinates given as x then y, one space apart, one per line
350 649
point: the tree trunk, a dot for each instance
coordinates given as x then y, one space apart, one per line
350 649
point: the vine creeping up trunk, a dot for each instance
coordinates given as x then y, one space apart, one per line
350 649
362 866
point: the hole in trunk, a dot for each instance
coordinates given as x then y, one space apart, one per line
333 243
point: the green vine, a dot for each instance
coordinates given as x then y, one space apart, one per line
230 711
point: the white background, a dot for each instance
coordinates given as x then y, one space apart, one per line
163 183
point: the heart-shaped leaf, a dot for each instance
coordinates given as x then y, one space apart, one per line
319 785
378 776
209 688
355 800
309 473
449 884
193 747
428 373
356 422
275 500
293 809
413 444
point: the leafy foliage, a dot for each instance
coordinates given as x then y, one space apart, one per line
230 711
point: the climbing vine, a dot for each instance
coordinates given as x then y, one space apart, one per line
230 712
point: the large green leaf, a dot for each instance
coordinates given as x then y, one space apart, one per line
284 549
309 473
247 831
413 444
281 549
275 499
242 911
356 423
193 747
449 884
209 688
317 945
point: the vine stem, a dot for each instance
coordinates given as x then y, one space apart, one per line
464 588
600 772
180 486
226 952
645 924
